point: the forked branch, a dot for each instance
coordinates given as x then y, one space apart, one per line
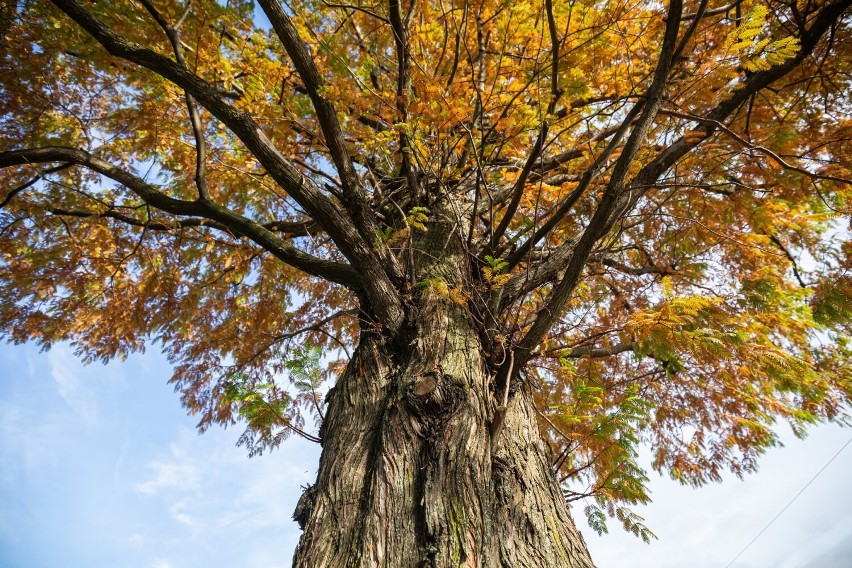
377 285
222 217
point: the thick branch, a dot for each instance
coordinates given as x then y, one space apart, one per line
354 198
289 228
597 352
381 292
539 273
702 7
313 81
613 197
399 25
225 218
754 83
714 12
617 198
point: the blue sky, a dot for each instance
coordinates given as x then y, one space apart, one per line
100 466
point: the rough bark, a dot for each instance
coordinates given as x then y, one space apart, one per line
409 475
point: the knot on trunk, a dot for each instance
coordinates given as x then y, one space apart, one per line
433 395
305 506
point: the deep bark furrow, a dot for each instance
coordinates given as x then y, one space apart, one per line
408 429
437 493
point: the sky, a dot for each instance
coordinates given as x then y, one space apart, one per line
100 466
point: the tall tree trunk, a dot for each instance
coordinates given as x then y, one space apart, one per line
409 475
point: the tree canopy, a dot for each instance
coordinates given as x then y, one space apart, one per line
654 198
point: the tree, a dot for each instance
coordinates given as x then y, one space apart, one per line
526 237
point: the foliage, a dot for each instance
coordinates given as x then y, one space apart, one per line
654 203
270 413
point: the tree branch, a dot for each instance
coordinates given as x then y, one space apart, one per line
762 149
194 117
614 197
555 95
619 198
11 195
353 196
634 271
754 83
399 25
227 219
777 242
289 228
565 207
714 12
598 352
383 295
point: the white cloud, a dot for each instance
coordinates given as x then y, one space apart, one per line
65 370
180 473
176 511
210 493
158 495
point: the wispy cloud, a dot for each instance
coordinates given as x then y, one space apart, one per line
209 491
178 514
180 473
135 540
119 459
65 370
